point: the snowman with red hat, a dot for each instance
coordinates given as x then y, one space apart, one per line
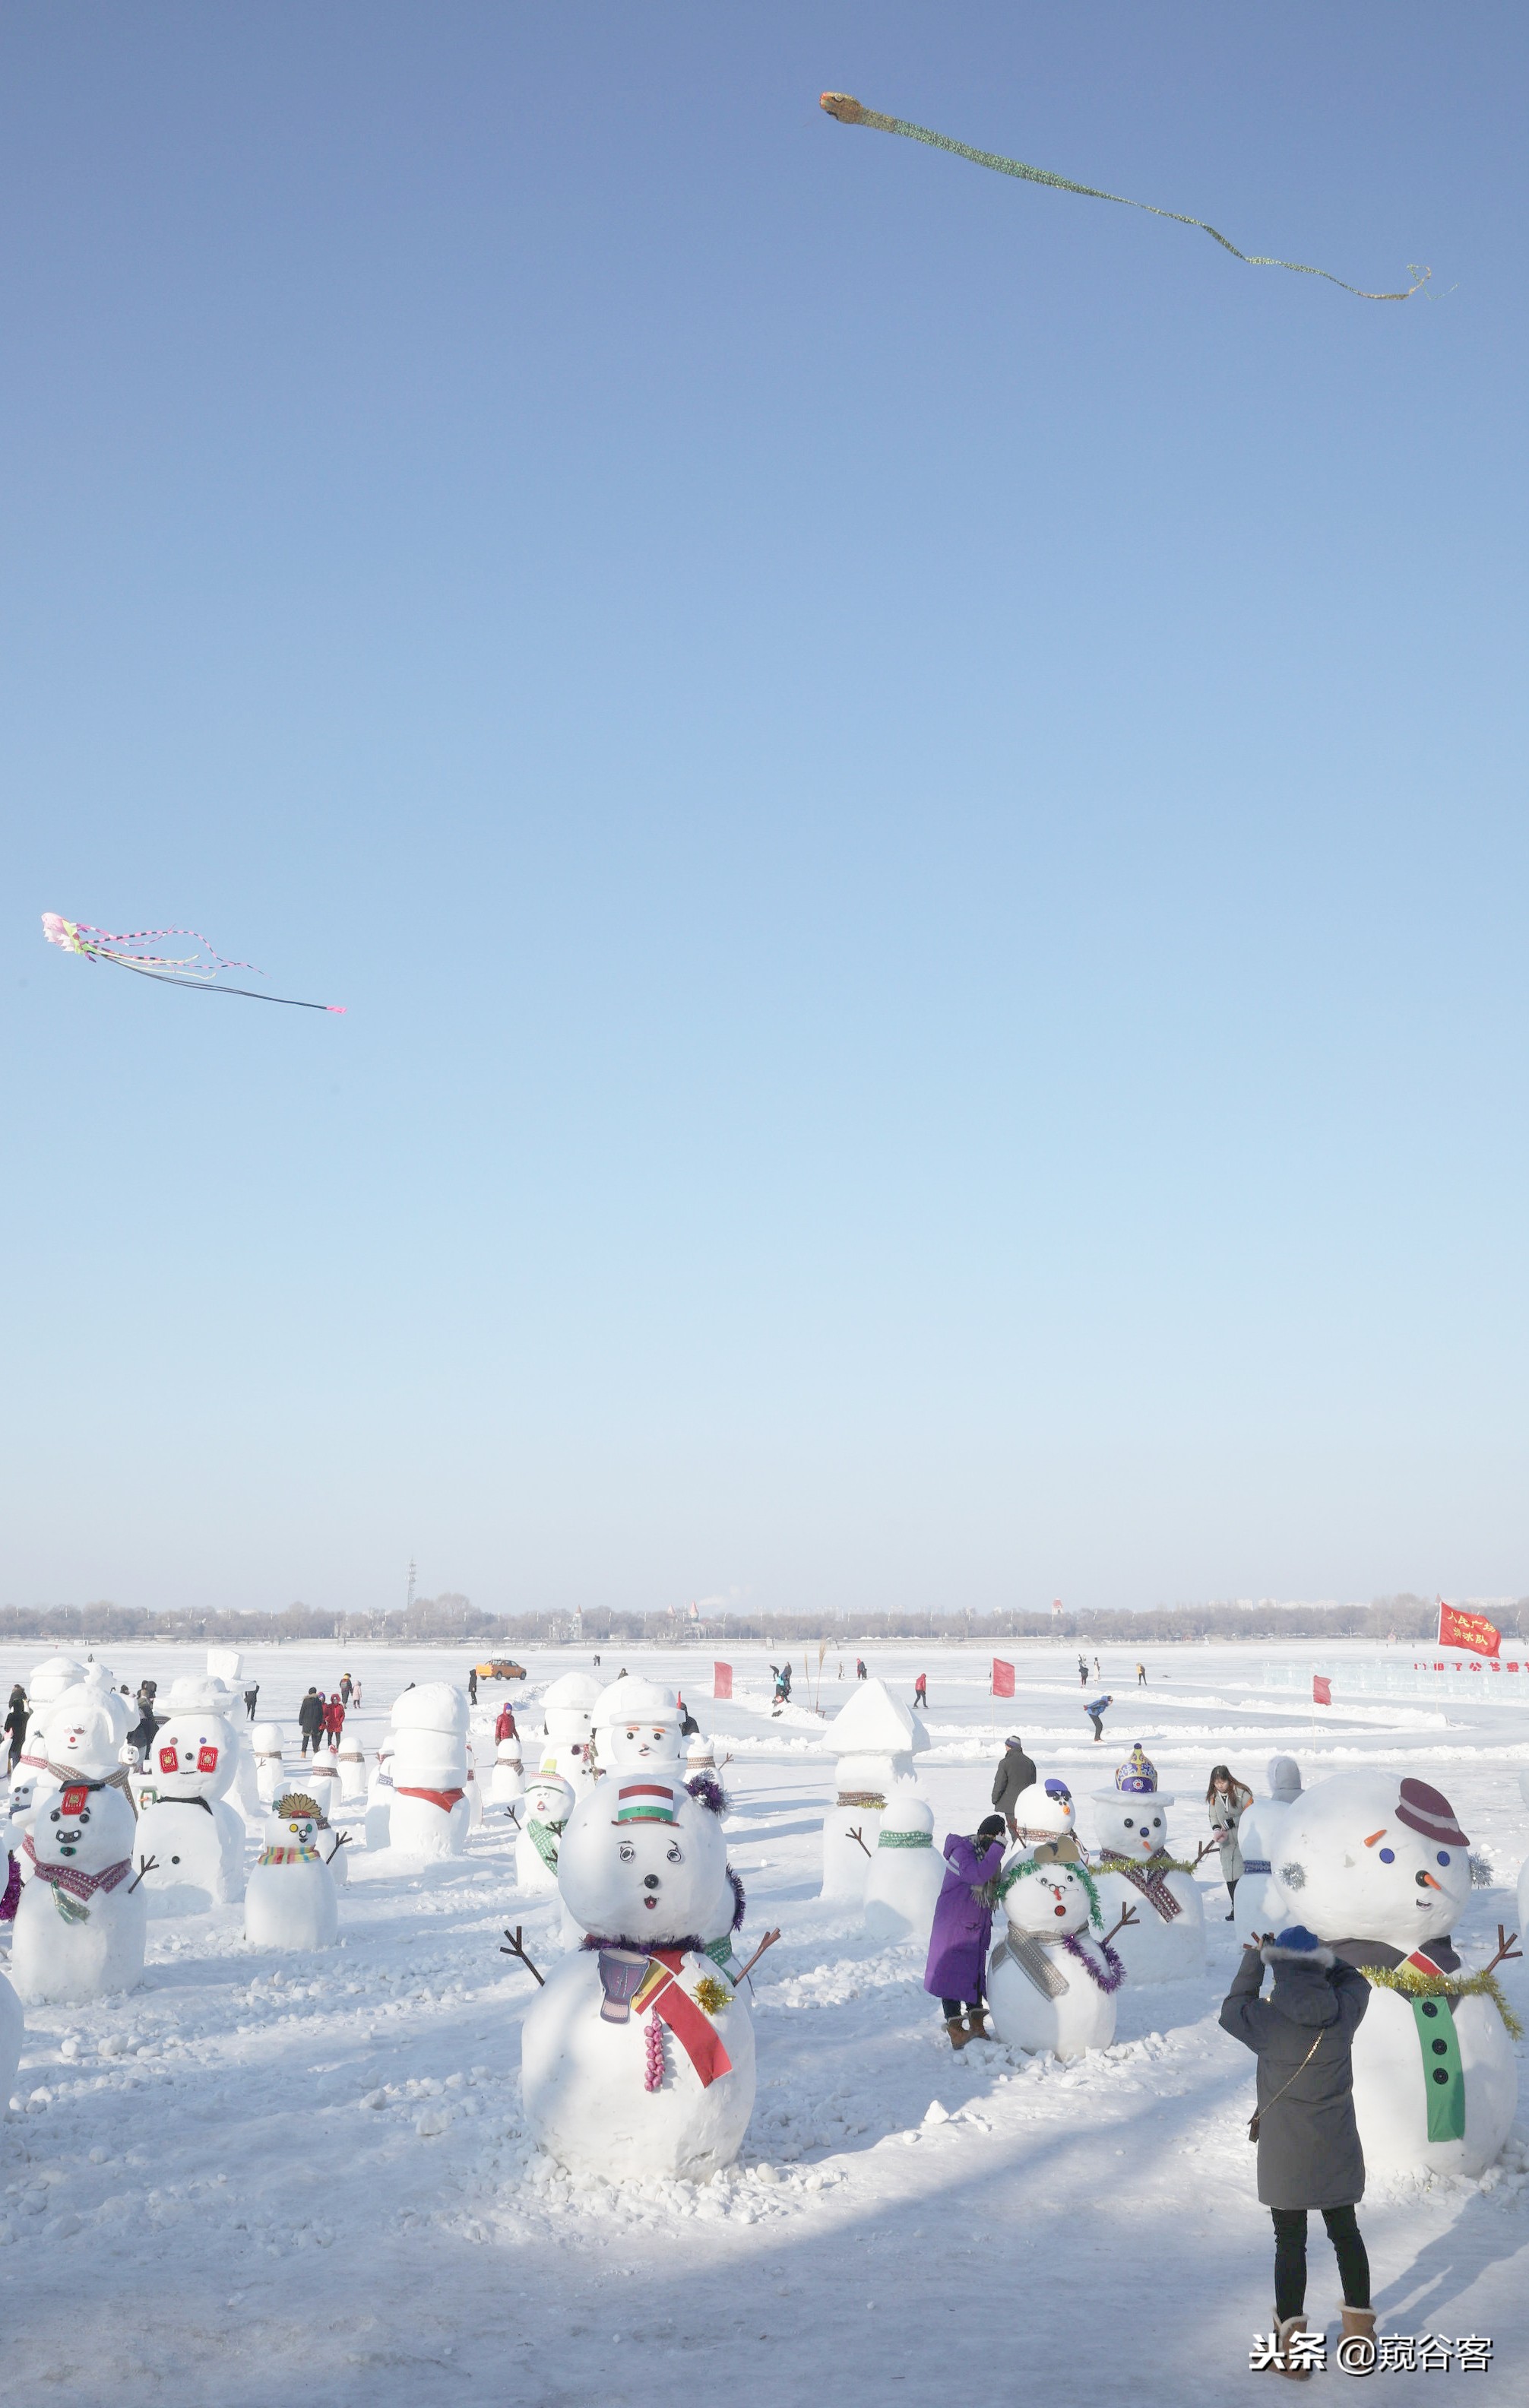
1377 1866
638 2054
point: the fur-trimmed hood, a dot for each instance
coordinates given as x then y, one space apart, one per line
1321 1956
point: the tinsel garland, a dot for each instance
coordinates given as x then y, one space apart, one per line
1453 1987
862 1798
1114 1974
1109 1863
992 1893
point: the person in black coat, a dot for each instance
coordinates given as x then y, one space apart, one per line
16 1723
1016 1772
1308 2149
310 1721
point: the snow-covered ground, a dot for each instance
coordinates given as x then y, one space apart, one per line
260 2179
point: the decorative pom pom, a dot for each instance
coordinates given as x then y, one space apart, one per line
707 1793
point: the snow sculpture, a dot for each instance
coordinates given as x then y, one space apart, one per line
269 1744
874 1738
429 1816
1051 1982
568 1710
1257 1908
81 1923
379 1796
183 1822
637 1723
506 1782
905 1874
1166 1940
49 1682
548 1804
290 1901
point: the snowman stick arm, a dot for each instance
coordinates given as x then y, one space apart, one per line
149 1865
1205 1848
1505 1950
768 1941
517 1949
1128 1915
858 1840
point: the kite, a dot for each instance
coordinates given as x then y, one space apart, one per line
186 970
849 112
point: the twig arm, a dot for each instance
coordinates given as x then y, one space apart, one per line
147 1865
517 1948
768 1941
1128 1915
1506 1952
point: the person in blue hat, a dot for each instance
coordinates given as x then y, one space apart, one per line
1095 1712
1309 2147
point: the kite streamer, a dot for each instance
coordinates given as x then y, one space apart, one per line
849 112
198 969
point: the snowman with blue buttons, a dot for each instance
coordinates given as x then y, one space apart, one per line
1378 1868
1164 1940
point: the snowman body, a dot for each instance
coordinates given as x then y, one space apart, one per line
1258 1907
906 1873
379 1797
12 2037
637 2058
289 1902
1165 1941
268 1741
429 1814
506 1782
81 1738
183 1822
81 1924
1379 1868
548 1804
1041 1994
475 1790
568 1712
875 1739
351 1761
319 1781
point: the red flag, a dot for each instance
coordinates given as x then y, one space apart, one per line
1472 1631
1322 1689
721 1680
1003 1678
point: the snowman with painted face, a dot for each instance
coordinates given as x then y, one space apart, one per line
1165 1942
1045 1815
50 1680
1378 1868
635 1724
1053 1980
638 2056
82 1740
183 1822
290 1899
81 1924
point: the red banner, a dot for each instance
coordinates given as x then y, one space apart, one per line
1003 1678
1322 1689
721 1680
1469 1630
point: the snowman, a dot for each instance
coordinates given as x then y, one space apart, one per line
1164 1940
269 1742
1257 1907
906 1873
321 1780
81 1924
183 1822
1045 1815
351 1761
1377 1866
1050 1983
289 1903
637 1723
429 1814
549 1803
49 1682
82 1740
874 1738
638 2056
700 1755
379 1796
210 1693
567 1709
506 1782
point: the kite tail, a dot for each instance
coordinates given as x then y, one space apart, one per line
851 111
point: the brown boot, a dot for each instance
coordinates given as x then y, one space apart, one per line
1285 2332
957 2029
1356 2349
976 2024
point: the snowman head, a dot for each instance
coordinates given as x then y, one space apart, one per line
643 1861
638 1723
86 1729
85 1825
293 1823
1367 1856
1048 1898
1130 1820
1046 1808
193 1755
548 1800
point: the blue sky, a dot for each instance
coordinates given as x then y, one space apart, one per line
914 786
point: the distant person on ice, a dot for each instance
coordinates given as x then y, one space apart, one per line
1141 1676
472 1684
249 1697
504 1726
1308 2149
333 1722
920 1691
310 1721
1082 1672
860 1668
1095 1713
956 1973
1016 1772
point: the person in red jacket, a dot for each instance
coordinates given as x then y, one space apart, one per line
334 1722
504 1726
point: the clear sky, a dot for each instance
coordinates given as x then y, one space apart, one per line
915 787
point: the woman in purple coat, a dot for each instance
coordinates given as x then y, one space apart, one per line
958 1945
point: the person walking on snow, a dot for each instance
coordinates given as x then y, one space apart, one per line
1095 1713
1141 1676
345 1688
472 1684
16 1723
310 1721
957 1968
860 1668
1082 1672
1309 2149
920 1691
504 1726
1016 1772
1228 1801
333 1722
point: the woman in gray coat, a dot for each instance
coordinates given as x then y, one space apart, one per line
1228 1801
1308 2151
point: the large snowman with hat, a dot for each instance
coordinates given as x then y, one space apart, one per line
1053 1979
638 2056
1377 1866
1164 1940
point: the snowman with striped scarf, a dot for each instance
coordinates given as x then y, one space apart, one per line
80 1922
290 1901
638 2054
1378 1868
1053 1980
1165 1942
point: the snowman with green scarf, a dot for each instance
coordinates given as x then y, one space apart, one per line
1053 1975
1378 1868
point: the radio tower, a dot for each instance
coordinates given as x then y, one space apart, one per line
409 1606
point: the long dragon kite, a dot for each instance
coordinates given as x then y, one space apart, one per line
849 112
187 970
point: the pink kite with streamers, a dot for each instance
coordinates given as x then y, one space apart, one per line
185 969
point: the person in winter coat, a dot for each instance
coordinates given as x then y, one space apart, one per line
1082 1672
310 1721
861 1673
920 1691
251 1698
958 1943
1228 1801
16 1723
1309 2149
333 1722
345 1688
1095 1713
140 1739
1016 1772
504 1726
472 1685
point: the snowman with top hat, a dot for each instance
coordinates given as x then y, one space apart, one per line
1377 1866
637 2054
1165 1938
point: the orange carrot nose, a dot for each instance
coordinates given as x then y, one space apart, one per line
1375 1835
1432 1883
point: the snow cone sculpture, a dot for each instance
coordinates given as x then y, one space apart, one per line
1257 1907
506 1782
196 1839
81 1924
429 1814
1165 1942
905 1876
270 1742
1051 1984
1380 1870
567 1709
49 1682
289 1903
638 2056
1045 1815
549 1803
637 1723
874 1738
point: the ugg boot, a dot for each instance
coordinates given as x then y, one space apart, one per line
1284 2333
976 2024
957 2029
1356 2348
